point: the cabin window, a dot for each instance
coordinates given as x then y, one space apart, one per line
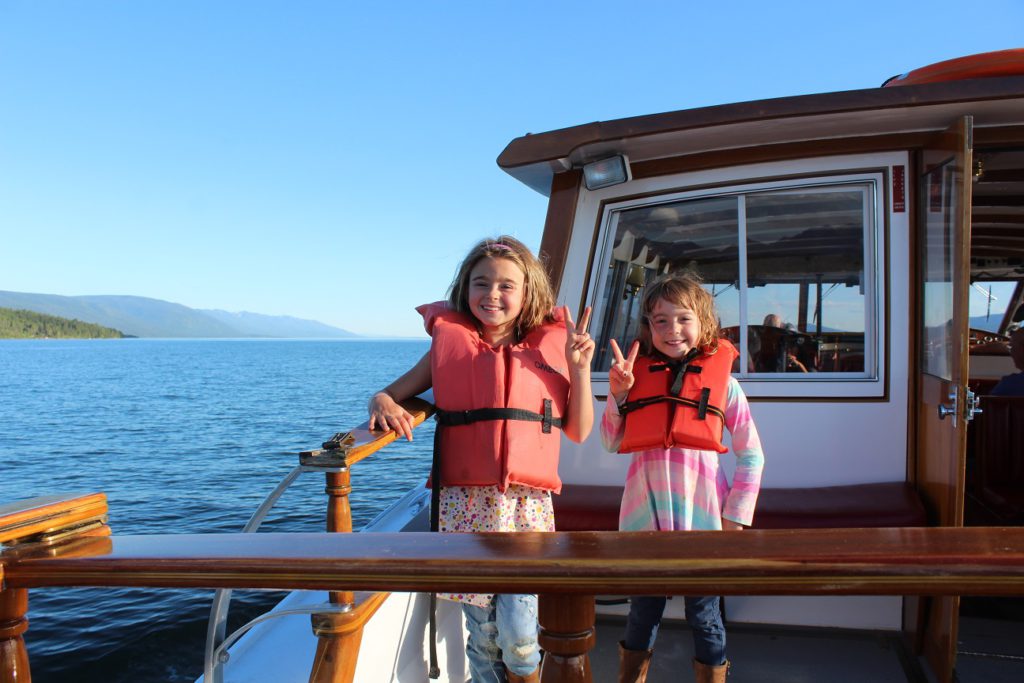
791 269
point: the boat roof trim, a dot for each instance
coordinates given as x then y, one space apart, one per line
534 158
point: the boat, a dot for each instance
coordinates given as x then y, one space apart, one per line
843 236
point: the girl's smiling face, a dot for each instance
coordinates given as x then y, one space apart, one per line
496 291
675 329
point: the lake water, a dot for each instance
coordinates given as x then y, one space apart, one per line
184 436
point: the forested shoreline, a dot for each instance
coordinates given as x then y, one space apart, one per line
21 324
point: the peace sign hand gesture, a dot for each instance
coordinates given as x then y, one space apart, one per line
620 375
579 347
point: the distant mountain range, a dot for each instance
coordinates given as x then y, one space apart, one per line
143 317
989 323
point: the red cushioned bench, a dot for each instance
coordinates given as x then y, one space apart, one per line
887 504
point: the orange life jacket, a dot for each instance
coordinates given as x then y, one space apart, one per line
678 403
480 446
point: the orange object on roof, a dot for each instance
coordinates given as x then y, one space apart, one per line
984 65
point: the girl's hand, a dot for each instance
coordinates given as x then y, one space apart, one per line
729 525
579 347
620 374
386 414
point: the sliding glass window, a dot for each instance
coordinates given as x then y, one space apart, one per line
792 270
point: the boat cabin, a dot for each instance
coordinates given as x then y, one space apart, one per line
865 251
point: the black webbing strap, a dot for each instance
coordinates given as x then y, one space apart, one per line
435 523
435 479
678 368
435 670
702 407
454 418
639 403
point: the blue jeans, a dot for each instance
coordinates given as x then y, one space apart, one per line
702 613
502 636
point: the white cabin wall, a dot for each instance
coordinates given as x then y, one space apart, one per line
814 442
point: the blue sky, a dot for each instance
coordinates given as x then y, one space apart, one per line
334 161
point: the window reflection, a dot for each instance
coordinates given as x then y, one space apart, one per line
805 265
937 295
802 297
696 235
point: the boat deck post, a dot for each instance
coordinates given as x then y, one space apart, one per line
13 623
567 635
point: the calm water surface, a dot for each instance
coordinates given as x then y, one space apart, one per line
184 436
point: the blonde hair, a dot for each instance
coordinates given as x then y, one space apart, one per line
538 297
680 289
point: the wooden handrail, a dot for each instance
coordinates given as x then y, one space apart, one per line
362 443
884 561
567 568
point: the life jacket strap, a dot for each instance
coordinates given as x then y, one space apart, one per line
434 671
678 368
456 418
702 406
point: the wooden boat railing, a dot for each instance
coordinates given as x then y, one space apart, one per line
64 541
567 568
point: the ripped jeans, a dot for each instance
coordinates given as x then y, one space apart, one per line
502 636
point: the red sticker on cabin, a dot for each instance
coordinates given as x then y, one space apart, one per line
899 194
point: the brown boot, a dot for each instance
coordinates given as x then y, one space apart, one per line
529 678
633 664
710 674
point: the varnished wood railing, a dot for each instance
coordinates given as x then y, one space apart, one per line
883 561
566 568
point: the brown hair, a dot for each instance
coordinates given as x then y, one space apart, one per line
538 297
681 289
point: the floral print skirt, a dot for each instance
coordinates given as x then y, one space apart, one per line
487 508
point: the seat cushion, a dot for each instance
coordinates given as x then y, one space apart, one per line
888 504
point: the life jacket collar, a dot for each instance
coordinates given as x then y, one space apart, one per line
678 367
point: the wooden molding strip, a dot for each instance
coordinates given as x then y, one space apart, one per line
884 561
50 514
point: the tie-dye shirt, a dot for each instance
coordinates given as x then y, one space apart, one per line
675 489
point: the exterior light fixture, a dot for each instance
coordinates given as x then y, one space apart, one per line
606 172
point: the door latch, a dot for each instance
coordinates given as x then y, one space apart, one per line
950 408
973 406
